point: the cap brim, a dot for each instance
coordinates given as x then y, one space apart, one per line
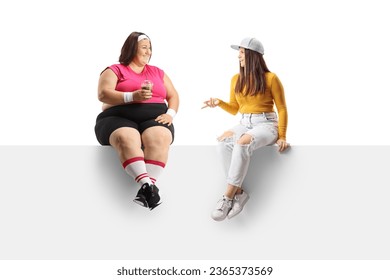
235 47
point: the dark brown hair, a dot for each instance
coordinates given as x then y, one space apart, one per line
252 76
130 47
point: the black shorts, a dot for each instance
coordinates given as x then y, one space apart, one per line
135 115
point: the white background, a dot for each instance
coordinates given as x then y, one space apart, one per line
331 56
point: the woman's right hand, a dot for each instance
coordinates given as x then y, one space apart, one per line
212 103
142 94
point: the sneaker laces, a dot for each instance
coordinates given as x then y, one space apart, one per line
224 203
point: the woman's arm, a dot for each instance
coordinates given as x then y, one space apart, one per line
277 92
173 102
231 107
172 95
106 89
112 97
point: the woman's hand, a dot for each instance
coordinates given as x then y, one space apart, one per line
142 94
283 145
164 119
212 103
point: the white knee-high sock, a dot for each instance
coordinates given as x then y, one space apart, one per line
154 168
136 168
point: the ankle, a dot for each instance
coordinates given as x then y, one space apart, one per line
239 191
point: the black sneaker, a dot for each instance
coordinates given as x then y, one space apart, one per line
141 196
152 196
148 196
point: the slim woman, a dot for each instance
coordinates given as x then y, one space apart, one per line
254 92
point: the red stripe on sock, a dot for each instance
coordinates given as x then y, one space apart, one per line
131 160
140 177
155 162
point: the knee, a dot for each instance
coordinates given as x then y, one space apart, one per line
124 139
120 141
225 135
245 139
157 140
154 143
225 142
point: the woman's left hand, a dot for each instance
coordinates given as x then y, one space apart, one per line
283 145
165 119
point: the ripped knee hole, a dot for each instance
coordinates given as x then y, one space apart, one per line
225 135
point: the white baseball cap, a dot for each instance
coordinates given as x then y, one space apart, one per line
250 44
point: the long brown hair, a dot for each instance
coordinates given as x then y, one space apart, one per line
252 77
130 47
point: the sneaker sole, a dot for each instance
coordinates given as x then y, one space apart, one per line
145 204
141 203
154 206
219 219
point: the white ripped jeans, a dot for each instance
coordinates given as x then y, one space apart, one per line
264 131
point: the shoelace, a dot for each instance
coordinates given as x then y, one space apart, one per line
223 203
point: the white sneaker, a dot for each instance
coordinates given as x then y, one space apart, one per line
239 201
222 209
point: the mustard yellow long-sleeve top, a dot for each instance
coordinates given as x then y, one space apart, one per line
261 103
